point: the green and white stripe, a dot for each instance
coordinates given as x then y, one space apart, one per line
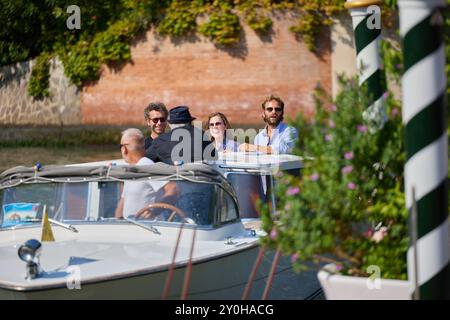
367 43
425 120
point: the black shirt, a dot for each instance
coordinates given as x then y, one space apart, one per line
147 144
162 147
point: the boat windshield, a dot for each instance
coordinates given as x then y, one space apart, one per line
151 200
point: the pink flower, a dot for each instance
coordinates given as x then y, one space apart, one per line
348 155
273 234
347 169
333 107
331 123
328 137
368 233
379 234
314 177
339 267
94 17
385 95
294 257
292 191
394 112
362 128
351 186
398 66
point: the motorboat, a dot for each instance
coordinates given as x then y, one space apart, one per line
196 238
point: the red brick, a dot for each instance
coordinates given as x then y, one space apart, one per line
208 79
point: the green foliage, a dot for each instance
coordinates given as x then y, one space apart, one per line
447 47
81 62
113 44
392 59
180 18
308 28
21 32
315 14
350 194
108 27
260 23
222 27
254 13
38 86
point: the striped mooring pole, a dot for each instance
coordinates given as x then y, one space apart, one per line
424 116
366 19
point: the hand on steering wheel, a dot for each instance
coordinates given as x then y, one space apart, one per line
146 213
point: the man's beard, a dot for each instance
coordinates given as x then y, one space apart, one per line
273 122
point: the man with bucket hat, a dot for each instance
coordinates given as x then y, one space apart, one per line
183 143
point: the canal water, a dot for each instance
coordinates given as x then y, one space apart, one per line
29 156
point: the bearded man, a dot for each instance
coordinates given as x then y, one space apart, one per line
276 137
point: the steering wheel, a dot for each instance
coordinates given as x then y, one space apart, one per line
144 212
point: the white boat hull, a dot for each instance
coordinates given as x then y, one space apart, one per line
222 275
223 278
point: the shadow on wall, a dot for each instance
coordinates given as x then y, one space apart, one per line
322 43
346 37
238 50
13 73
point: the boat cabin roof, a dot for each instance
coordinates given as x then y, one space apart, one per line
195 172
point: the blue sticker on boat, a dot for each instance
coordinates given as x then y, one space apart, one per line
19 213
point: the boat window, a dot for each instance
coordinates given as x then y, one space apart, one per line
85 201
195 200
249 189
62 201
72 201
228 210
152 200
20 205
110 192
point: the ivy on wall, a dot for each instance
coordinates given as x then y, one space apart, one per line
38 85
108 28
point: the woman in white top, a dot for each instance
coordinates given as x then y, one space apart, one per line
218 125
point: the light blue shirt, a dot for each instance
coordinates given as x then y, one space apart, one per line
282 141
230 146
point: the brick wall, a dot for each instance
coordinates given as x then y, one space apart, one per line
194 72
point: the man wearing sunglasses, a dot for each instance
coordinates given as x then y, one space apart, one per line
277 137
156 117
137 194
183 143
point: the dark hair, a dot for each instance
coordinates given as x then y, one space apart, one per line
273 98
155 106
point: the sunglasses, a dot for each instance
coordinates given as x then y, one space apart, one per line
270 109
215 124
155 120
